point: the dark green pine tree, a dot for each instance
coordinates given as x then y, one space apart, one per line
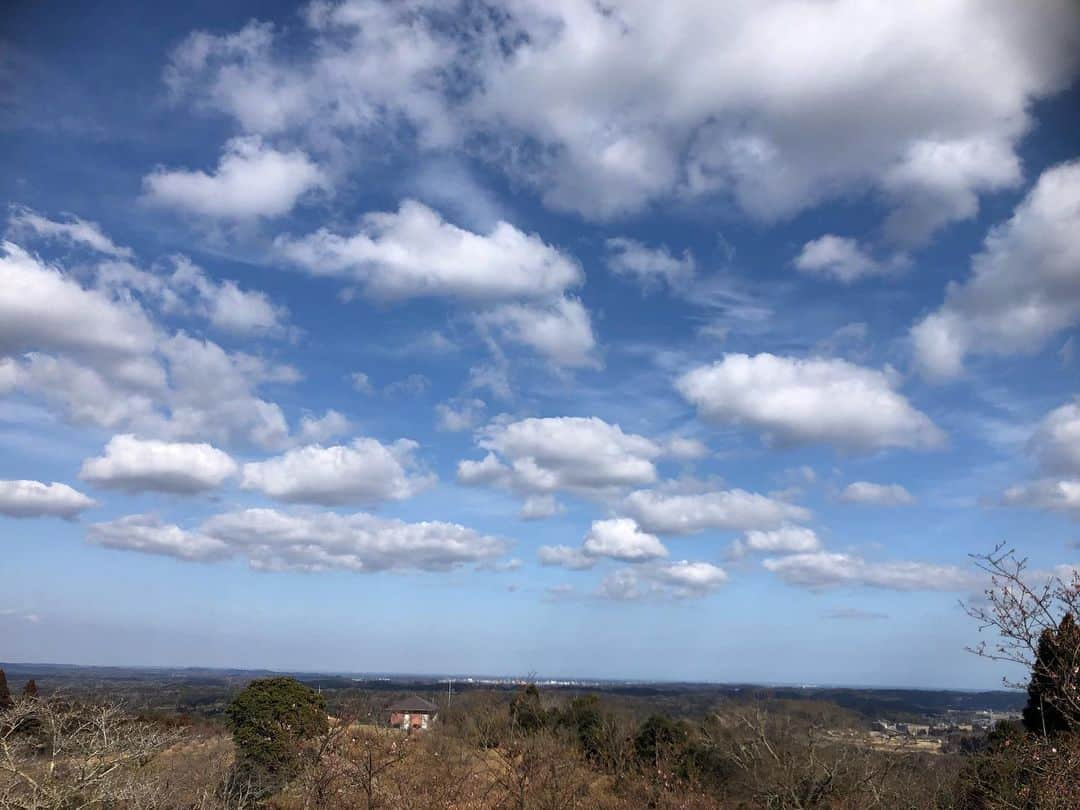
1054 689
5 694
30 690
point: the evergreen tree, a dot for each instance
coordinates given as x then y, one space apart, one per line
30 690
1054 689
5 694
270 720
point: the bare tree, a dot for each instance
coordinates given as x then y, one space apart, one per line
1027 610
56 753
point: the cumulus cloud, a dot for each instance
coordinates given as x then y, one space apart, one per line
271 540
841 259
95 354
560 331
1024 286
251 180
363 472
785 540
679 580
72 230
649 267
1055 446
146 533
413 253
42 308
803 401
867 492
140 465
622 539
614 539
689 513
224 304
459 415
30 499
736 102
826 569
565 557
314 430
584 456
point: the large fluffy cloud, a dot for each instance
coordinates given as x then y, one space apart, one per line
585 456
138 465
824 569
27 499
41 308
515 281
691 512
775 105
312 541
1024 285
802 401
363 472
252 180
413 252
622 539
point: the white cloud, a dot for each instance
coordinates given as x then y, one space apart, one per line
649 267
560 331
312 541
866 492
585 456
74 231
359 542
803 401
225 305
1051 494
364 472
685 449
328 426
251 180
29 499
1024 286
565 557
147 534
1055 446
785 540
824 569
775 105
622 539
1056 443
41 308
361 382
841 259
458 415
689 513
95 355
414 253
679 580
140 465
538 507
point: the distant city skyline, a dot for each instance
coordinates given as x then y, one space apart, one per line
686 343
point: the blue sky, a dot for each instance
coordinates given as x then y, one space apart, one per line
696 343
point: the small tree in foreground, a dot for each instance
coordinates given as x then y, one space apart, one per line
1036 628
271 718
5 693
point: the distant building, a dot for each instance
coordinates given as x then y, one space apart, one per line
412 713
